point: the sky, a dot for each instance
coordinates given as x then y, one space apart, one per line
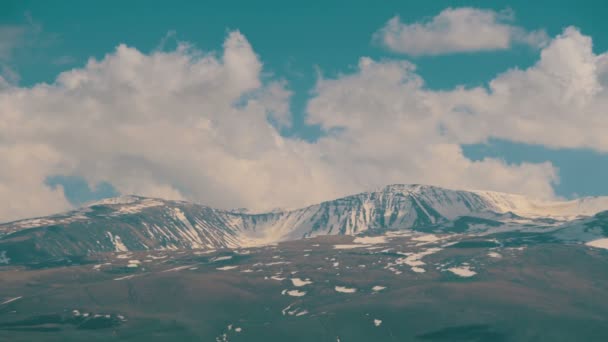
271 104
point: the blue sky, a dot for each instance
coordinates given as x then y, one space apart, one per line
297 43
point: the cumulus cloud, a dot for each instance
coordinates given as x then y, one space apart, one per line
559 102
194 125
388 129
182 124
457 30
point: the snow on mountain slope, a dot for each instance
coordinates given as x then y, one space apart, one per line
138 223
410 206
393 207
526 207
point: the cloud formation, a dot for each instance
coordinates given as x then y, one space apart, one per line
188 124
559 102
457 30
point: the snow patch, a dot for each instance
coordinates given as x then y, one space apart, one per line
11 300
600 243
136 207
296 293
427 238
221 258
278 263
226 268
179 268
351 246
297 282
134 263
370 240
126 277
344 289
117 242
415 259
463 271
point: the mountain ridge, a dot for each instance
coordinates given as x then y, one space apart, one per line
125 199
139 223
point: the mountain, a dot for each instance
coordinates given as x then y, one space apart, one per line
138 223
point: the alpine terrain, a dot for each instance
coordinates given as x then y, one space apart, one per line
404 262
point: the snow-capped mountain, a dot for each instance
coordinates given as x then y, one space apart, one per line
413 207
138 223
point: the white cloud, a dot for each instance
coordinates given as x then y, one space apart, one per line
457 30
388 131
178 124
193 125
559 102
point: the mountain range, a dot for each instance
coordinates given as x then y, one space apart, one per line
134 223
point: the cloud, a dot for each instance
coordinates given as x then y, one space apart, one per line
177 124
457 30
195 125
559 102
389 131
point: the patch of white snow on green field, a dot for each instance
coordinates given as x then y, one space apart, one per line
352 246
296 293
414 260
134 263
427 238
601 243
221 258
127 277
179 268
371 240
494 255
297 282
344 289
226 268
278 263
464 271
418 269
11 300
